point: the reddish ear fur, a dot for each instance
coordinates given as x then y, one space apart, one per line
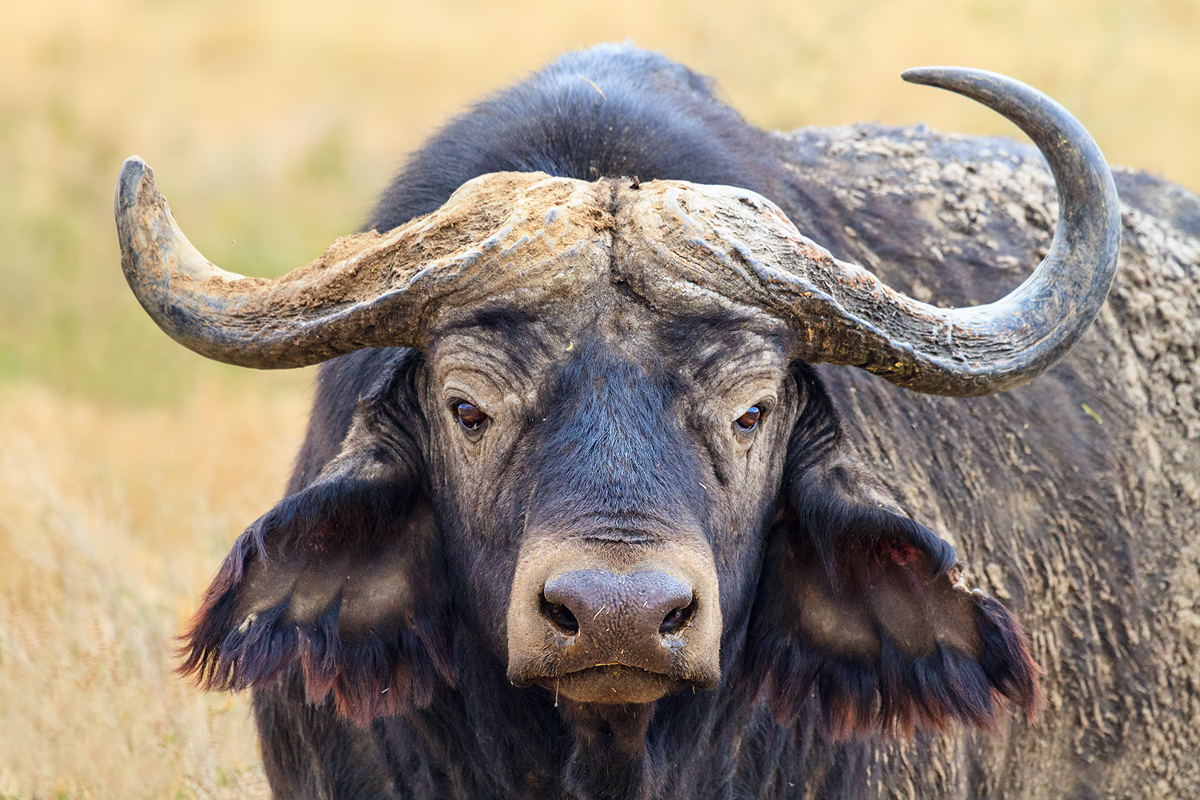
871 612
343 576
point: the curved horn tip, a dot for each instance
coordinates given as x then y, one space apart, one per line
918 74
135 173
922 74
951 77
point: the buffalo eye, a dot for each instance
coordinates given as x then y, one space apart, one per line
469 415
749 421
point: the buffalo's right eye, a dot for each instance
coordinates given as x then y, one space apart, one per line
749 421
469 415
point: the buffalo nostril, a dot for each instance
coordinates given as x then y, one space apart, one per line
559 616
677 619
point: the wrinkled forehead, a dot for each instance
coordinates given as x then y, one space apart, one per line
717 347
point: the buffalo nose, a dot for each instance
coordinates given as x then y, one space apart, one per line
617 615
599 634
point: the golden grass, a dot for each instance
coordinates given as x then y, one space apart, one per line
111 523
127 465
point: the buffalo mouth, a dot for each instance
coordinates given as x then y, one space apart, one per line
612 684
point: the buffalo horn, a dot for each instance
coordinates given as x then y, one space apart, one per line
989 348
367 290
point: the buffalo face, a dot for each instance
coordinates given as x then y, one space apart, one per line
609 491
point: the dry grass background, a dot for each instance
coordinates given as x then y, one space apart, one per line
128 465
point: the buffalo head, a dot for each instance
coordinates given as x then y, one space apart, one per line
597 459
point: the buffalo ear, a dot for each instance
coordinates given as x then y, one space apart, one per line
867 607
345 577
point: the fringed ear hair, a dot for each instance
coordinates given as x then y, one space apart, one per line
347 577
887 639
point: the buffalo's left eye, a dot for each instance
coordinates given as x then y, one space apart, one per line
469 415
749 421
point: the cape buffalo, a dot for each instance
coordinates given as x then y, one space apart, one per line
617 485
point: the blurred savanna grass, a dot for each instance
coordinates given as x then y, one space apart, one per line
127 465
